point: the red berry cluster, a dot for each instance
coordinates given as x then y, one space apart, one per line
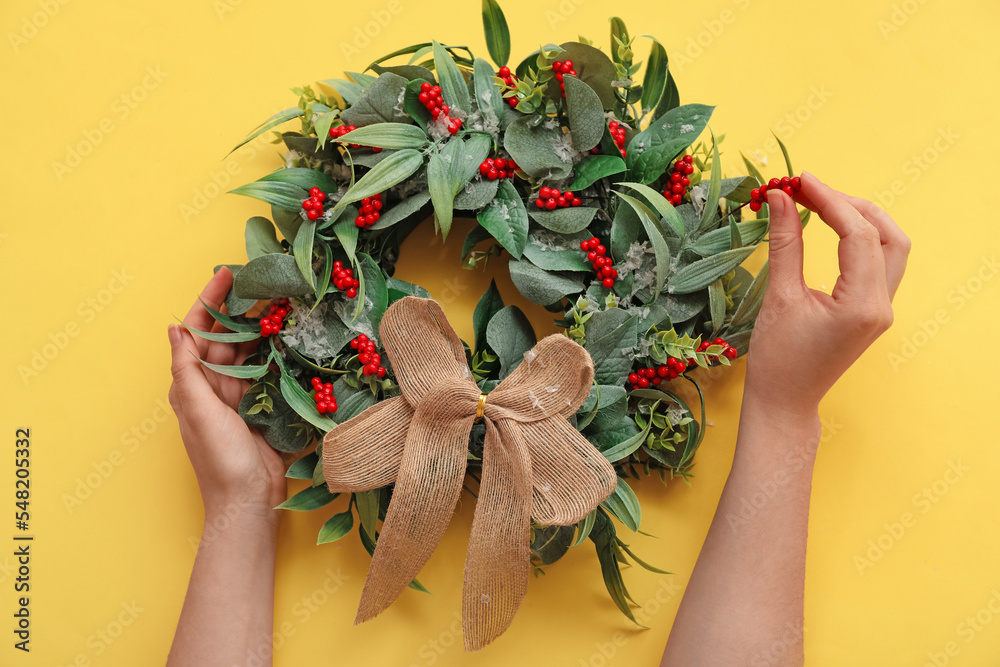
368 214
325 401
789 185
679 180
562 68
274 318
497 167
430 97
727 351
341 130
552 198
597 256
343 279
654 375
618 134
314 205
511 82
368 356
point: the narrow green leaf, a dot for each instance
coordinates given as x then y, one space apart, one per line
752 169
623 504
347 233
336 527
387 135
497 33
309 499
640 562
711 212
752 300
784 152
627 447
230 322
488 95
236 337
666 210
276 193
303 178
325 274
654 82
656 236
303 249
439 187
489 304
367 502
303 468
242 372
717 304
389 172
454 89
273 121
584 528
702 273
719 240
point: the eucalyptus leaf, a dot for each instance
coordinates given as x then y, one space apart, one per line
567 257
261 238
476 194
270 277
594 168
651 150
509 335
534 149
593 68
585 113
379 103
541 286
564 220
506 219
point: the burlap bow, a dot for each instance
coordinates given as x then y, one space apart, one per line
535 463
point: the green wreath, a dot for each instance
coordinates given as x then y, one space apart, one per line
613 215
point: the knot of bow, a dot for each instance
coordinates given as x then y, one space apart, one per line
535 464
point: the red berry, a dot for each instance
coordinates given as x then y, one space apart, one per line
608 282
633 378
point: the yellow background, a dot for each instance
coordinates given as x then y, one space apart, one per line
893 101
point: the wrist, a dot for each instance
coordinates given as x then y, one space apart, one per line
778 421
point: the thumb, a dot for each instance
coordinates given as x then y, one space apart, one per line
785 240
189 380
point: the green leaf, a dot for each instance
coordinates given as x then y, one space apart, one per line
533 148
402 210
476 194
242 372
387 135
656 236
347 233
400 288
623 505
702 273
375 289
671 98
593 68
277 425
564 220
603 536
273 121
594 168
261 238
276 193
497 34
509 335
439 187
752 170
303 249
408 72
654 82
609 334
475 236
269 277
389 172
711 212
682 307
666 210
749 306
303 178
379 103
300 401
568 257
651 150
336 527
717 304
236 337
489 304
488 95
585 527
367 502
641 563
308 499
287 221
540 286
551 543
303 468
350 91
454 89
719 240
626 447
585 113
230 322
506 219
784 152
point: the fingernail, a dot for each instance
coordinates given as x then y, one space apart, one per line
174 334
806 174
776 200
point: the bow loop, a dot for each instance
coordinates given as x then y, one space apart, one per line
535 464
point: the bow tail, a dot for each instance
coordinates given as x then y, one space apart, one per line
424 498
365 452
499 556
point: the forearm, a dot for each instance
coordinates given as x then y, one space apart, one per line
744 602
228 611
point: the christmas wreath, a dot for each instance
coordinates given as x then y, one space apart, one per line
599 191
